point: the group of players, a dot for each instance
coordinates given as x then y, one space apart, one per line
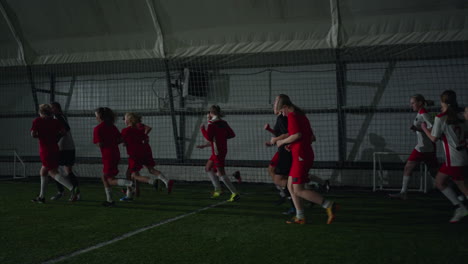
451 127
289 167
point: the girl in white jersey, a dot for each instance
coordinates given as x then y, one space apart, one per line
449 128
425 150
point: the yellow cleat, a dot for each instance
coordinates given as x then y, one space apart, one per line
216 194
331 212
234 197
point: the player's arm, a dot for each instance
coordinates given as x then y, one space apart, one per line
268 128
147 129
273 140
290 139
202 146
428 132
34 134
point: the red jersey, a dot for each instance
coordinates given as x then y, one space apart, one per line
135 139
48 132
109 137
217 133
298 123
146 148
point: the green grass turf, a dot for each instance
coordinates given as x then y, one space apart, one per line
369 228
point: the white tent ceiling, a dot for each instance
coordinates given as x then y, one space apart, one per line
75 31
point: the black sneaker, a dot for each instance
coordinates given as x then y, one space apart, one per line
57 196
108 204
38 200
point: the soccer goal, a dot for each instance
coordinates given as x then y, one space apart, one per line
11 165
380 172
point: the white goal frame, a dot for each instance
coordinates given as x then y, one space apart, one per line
19 168
378 172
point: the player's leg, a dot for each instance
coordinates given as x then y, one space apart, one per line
44 175
442 179
210 171
407 172
234 194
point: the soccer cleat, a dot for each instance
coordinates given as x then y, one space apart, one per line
401 196
38 200
216 194
77 197
126 199
74 194
460 212
295 220
290 211
234 197
331 212
170 184
108 204
57 196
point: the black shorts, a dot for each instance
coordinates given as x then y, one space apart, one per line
67 158
284 162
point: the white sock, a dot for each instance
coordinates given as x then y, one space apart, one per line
163 178
326 203
214 180
451 195
281 191
64 181
124 182
229 184
404 187
129 192
300 214
44 181
108 194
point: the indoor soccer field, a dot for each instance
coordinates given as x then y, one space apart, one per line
189 227
363 73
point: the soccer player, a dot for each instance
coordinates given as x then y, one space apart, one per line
425 150
217 134
48 131
300 139
67 152
107 137
279 174
139 153
449 128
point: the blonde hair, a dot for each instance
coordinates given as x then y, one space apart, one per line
133 118
45 109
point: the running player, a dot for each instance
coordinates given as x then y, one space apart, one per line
425 150
300 139
449 128
139 153
48 131
107 137
279 174
67 152
217 134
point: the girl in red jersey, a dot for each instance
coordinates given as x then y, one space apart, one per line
450 129
139 152
217 134
425 150
107 137
48 131
300 139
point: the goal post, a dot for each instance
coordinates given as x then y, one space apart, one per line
378 179
11 165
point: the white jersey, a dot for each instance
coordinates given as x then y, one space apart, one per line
424 143
453 140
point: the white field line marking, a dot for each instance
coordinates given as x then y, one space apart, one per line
130 234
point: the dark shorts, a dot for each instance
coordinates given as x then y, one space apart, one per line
283 166
67 158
